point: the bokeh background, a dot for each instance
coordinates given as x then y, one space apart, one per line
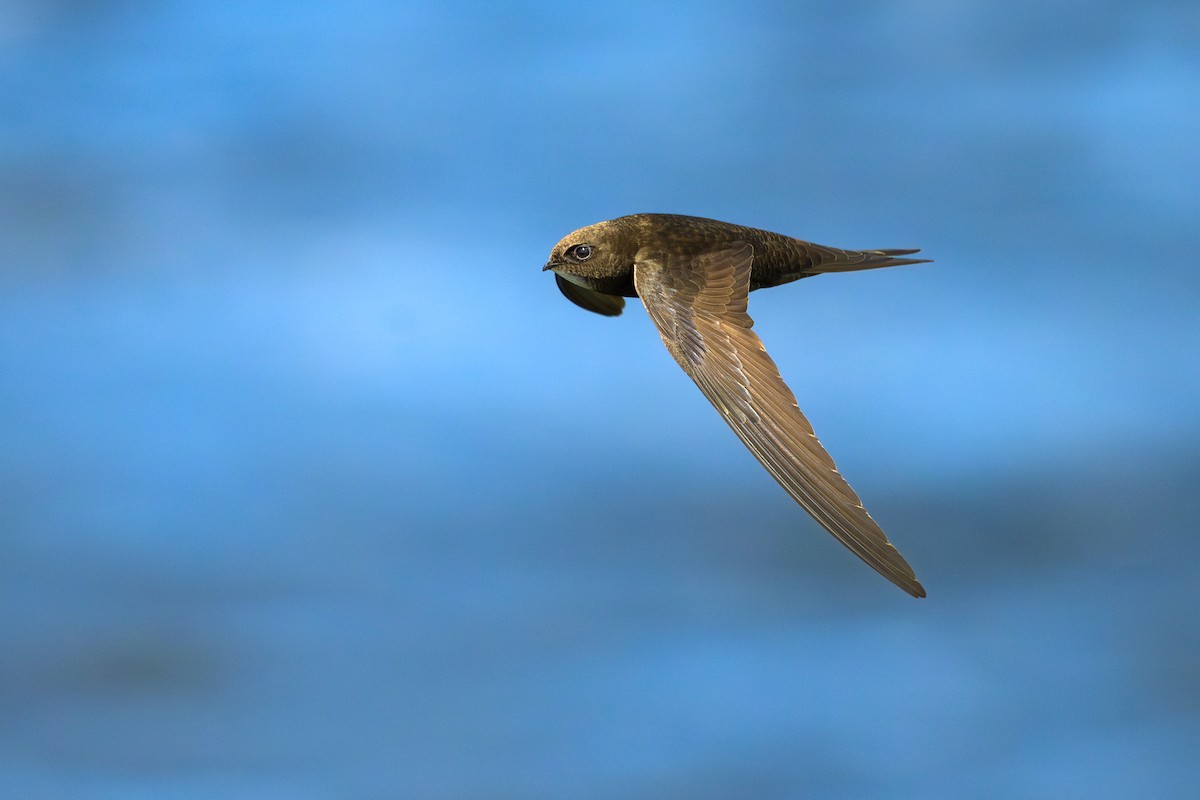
312 485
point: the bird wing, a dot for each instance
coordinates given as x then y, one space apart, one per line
699 306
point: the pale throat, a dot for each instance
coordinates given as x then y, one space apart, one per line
578 280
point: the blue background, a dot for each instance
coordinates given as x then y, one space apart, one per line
312 485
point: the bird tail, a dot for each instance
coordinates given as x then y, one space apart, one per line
830 259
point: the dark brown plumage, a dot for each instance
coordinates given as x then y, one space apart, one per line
694 275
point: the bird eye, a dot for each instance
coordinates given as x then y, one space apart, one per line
581 252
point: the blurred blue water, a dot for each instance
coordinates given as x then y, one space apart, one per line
313 485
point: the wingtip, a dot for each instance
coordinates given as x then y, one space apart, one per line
905 581
895 568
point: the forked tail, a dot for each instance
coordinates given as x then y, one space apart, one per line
830 259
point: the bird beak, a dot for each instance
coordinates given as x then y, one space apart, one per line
551 265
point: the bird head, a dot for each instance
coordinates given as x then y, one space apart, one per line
592 252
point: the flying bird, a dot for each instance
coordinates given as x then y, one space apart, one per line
694 276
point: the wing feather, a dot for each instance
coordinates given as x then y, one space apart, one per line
699 307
